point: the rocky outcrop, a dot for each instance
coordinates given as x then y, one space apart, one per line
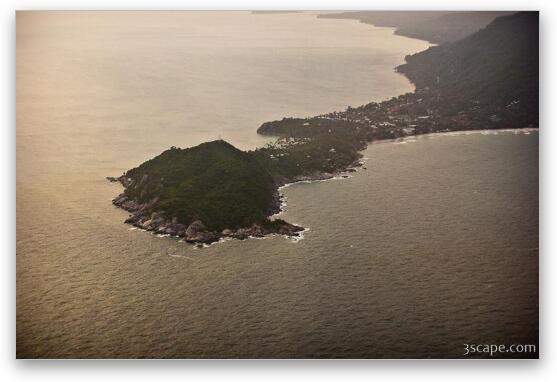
198 233
257 230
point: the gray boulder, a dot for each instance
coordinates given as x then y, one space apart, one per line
198 233
195 228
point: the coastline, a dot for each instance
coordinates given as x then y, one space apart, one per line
201 238
516 131
163 228
342 174
196 233
331 141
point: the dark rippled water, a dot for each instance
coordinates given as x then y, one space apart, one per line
433 246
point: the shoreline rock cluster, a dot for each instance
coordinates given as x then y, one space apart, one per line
195 233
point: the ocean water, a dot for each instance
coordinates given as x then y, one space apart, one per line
433 245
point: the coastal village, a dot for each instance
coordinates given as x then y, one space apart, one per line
406 115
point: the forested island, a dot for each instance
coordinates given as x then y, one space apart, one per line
488 80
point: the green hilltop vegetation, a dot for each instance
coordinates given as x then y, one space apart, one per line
291 159
214 182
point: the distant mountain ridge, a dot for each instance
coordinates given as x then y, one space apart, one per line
437 27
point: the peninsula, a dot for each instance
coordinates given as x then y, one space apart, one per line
214 191
488 80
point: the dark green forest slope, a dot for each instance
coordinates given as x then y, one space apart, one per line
213 182
496 68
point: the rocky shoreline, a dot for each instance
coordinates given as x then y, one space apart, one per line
195 233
